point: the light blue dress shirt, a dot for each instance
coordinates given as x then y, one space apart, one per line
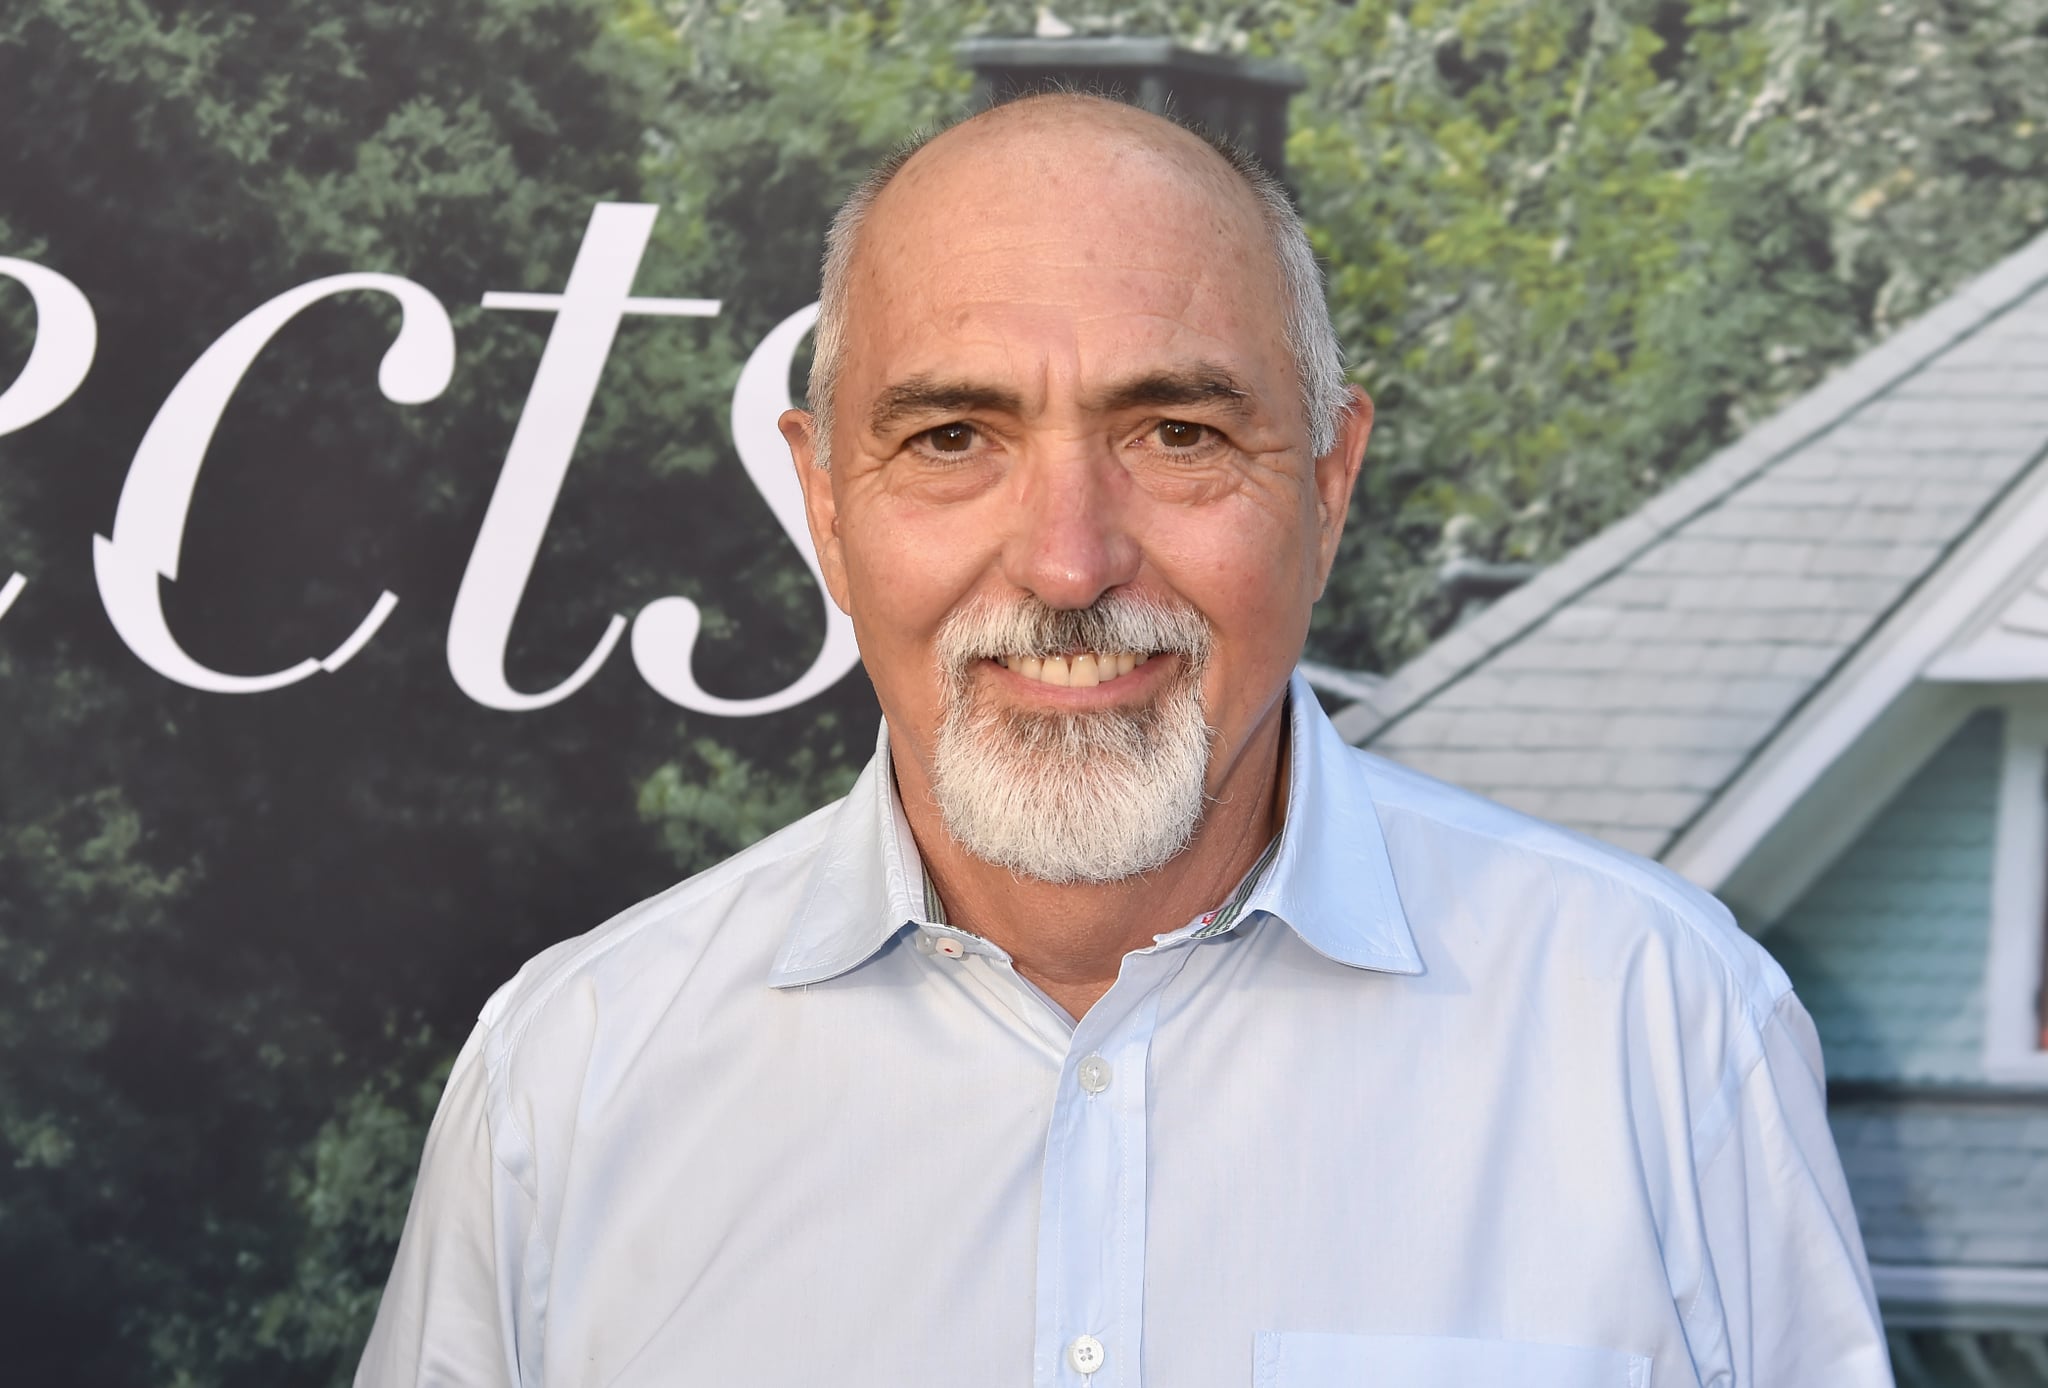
1444 1096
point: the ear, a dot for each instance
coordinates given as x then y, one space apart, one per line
1336 475
821 506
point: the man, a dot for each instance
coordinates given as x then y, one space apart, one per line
1123 1025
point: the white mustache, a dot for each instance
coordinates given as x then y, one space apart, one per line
1117 621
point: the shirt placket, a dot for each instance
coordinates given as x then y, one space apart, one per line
1091 1233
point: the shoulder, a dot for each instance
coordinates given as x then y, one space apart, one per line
1565 884
709 933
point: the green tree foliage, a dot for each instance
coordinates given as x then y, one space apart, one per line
1574 245
226 923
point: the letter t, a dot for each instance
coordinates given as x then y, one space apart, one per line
587 314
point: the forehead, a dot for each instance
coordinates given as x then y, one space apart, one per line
1065 243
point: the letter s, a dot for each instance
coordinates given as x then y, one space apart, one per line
665 632
149 521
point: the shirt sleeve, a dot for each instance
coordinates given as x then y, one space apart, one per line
1795 1290
448 1315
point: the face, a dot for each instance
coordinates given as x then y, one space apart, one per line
1066 403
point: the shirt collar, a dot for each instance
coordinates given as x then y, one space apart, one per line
1330 878
1333 879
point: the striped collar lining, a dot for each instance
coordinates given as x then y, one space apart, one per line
1204 927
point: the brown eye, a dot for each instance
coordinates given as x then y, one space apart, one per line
951 438
1178 433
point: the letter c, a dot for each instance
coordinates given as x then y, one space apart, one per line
149 521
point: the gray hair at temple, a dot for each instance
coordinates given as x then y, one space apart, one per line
1311 340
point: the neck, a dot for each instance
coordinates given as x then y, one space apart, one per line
1070 939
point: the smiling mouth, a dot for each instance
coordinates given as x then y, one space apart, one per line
1081 670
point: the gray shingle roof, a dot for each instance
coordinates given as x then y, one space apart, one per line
1626 686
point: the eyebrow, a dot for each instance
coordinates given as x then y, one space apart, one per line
929 395
1199 385
926 395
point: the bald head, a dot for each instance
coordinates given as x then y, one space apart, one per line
1062 160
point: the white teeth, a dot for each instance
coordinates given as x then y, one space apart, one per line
1082 671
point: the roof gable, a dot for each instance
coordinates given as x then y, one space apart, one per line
1887 948
2009 644
1628 687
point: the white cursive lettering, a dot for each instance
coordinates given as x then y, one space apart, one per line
149 521
587 314
665 633
67 336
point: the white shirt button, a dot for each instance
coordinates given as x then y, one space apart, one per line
949 947
1085 1354
1094 1074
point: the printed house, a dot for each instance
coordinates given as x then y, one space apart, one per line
1813 678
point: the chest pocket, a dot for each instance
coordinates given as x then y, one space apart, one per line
1283 1359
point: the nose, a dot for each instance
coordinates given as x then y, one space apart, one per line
1071 538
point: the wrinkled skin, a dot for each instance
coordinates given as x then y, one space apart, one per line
1066 372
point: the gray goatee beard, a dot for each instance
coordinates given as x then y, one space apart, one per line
1072 797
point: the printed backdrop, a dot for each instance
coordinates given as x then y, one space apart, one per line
399 570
